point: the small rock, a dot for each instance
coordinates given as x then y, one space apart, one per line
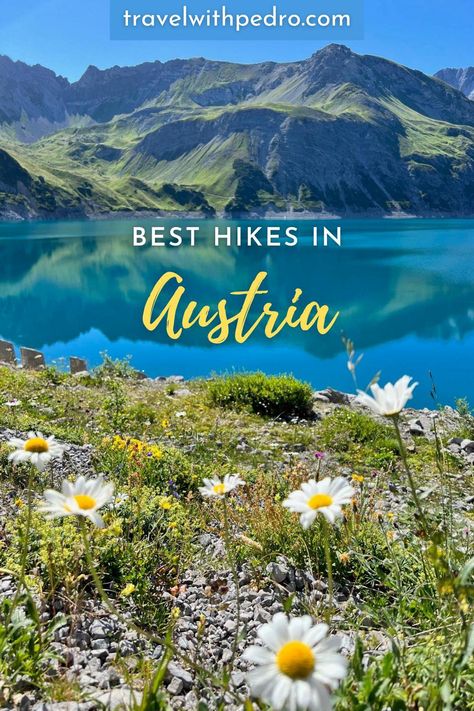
177 671
114 677
117 698
97 631
226 656
175 687
99 644
238 678
333 396
467 445
416 428
278 571
182 392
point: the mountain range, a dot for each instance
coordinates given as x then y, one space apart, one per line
336 133
462 79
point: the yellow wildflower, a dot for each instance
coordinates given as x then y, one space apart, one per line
165 503
128 590
154 451
464 604
118 443
358 478
445 588
201 624
135 447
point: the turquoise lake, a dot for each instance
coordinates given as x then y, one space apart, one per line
404 289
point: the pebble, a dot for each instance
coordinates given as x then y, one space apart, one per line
175 686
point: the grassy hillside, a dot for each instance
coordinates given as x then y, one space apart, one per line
338 132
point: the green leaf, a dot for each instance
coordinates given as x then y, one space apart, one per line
466 572
445 692
469 648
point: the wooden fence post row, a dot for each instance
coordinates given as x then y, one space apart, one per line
32 359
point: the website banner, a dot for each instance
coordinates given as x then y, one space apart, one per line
235 19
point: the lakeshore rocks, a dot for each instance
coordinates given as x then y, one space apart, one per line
335 397
462 448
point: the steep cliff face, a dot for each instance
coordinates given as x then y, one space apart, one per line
337 132
462 79
31 99
35 92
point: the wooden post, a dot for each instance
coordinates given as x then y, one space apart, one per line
7 353
77 365
32 359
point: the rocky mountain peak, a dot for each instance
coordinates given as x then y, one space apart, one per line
333 50
462 79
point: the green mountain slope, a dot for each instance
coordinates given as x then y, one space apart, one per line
339 132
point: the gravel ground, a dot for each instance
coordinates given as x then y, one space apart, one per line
92 642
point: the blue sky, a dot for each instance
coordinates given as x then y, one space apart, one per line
68 35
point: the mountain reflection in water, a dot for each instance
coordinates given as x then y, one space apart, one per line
404 290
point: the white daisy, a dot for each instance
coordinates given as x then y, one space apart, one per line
326 497
219 487
389 400
119 500
297 666
80 498
37 449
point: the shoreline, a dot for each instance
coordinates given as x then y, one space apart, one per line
11 217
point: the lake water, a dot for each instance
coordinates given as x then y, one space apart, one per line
404 289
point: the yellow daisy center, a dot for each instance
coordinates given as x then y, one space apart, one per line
219 488
84 501
318 501
38 445
296 660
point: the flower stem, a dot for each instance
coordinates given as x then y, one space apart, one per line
26 542
411 482
327 554
24 550
235 576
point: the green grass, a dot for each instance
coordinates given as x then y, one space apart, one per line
279 397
